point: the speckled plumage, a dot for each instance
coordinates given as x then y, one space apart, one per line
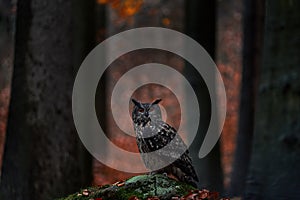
160 145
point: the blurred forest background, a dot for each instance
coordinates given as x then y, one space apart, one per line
255 44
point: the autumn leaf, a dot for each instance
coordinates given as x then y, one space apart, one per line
124 8
86 192
152 198
133 198
130 7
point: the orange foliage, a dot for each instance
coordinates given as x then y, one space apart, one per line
124 8
102 1
166 21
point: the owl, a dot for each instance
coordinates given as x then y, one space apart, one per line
161 148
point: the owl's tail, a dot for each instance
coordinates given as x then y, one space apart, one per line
189 178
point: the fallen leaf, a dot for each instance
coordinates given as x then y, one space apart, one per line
190 196
152 198
213 195
85 192
133 198
121 184
116 183
203 194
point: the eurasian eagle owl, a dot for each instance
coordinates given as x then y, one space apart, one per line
155 135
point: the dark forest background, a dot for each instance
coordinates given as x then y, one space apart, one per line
255 44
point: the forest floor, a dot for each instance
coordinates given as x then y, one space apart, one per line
145 187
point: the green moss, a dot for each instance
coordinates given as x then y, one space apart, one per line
138 178
142 186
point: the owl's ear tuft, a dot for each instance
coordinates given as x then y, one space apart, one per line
156 101
136 102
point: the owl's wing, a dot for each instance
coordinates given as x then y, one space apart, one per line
170 136
177 150
184 163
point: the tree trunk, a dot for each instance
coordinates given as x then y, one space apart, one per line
42 158
200 25
84 17
252 45
7 31
275 163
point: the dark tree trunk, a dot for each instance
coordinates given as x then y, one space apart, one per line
275 163
201 26
84 14
43 156
7 31
252 49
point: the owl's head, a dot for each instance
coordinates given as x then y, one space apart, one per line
145 112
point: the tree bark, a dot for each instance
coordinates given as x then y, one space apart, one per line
201 26
7 32
43 155
275 163
252 50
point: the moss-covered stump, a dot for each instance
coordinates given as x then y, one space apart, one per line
137 187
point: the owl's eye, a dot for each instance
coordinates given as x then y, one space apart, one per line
141 109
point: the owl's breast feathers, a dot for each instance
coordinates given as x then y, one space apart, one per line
155 136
